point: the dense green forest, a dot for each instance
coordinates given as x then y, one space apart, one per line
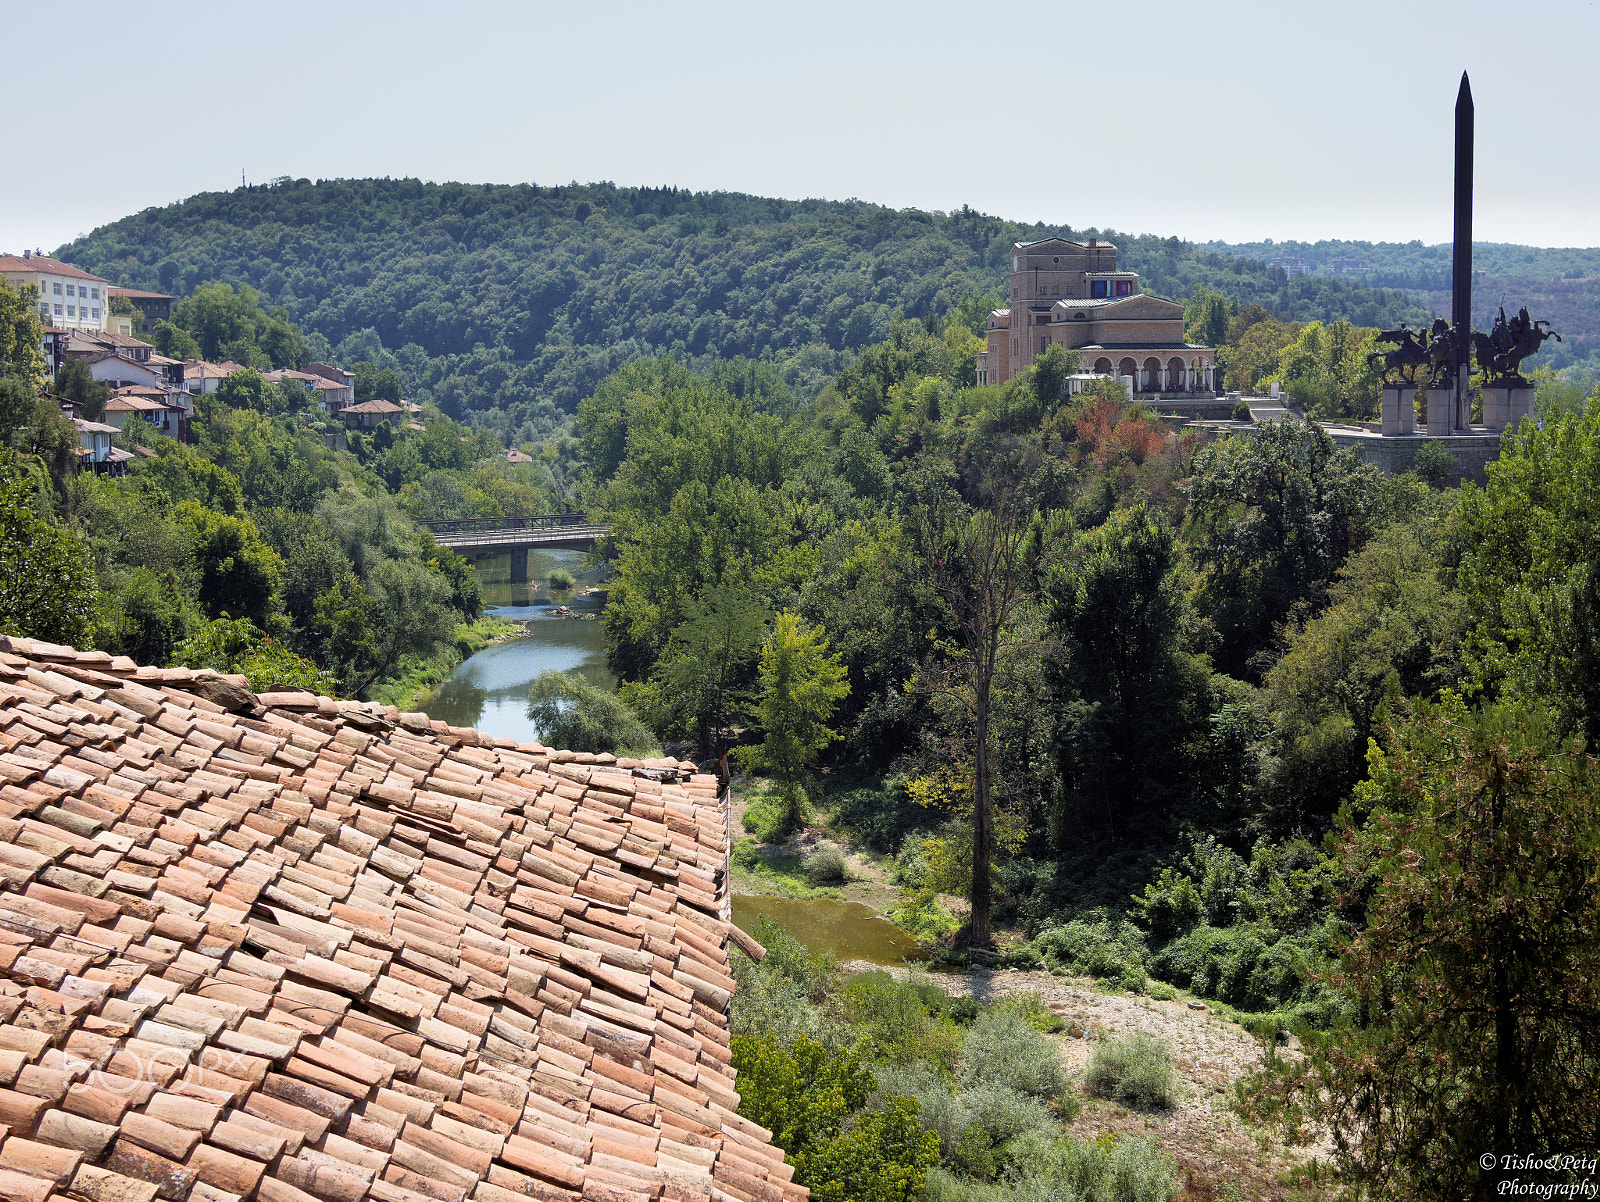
506 305
1558 284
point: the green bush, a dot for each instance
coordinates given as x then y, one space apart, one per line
1135 1070
770 818
1001 1112
806 1096
920 913
1241 411
560 580
882 1156
1046 1168
827 866
1030 1008
745 855
779 996
904 1021
1435 463
1003 1048
1113 954
1248 966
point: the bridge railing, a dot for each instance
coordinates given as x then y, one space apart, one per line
539 521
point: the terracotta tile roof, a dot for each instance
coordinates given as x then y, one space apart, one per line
46 266
137 293
375 406
303 950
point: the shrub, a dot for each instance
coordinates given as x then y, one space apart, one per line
1435 463
1241 411
745 855
771 818
1248 966
1135 1070
1001 1047
963 1010
1114 954
879 817
805 1095
900 1022
826 865
1047 1168
882 1156
1001 1112
560 580
1030 1008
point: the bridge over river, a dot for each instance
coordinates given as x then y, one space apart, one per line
493 536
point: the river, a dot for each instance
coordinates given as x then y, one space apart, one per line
490 690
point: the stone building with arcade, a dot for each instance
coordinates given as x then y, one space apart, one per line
1071 294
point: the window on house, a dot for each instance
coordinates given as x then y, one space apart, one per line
97 314
71 312
57 287
1097 289
83 291
44 312
58 310
1124 287
1043 342
94 294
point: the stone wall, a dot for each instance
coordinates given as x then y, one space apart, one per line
1393 454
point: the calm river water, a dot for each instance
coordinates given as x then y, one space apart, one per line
490 690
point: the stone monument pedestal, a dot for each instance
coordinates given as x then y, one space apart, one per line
1442 404
1399 409
1505 405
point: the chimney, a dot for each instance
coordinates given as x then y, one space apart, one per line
26 252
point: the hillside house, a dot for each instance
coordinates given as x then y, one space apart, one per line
152 306
154 405
371 413
69 298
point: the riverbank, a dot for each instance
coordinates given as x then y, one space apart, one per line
419 679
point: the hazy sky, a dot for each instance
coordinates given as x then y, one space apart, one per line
1233 120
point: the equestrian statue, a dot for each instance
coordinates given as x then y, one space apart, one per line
1410 352
1501 351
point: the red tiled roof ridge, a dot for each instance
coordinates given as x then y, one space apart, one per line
311 950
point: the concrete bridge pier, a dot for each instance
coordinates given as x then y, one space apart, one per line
519 565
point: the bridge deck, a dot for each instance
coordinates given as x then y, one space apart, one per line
578 537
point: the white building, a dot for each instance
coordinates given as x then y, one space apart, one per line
69 298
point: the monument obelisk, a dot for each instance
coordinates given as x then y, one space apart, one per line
1461 255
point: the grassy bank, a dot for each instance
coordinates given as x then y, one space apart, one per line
420 677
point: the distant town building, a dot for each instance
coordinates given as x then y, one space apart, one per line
69 298
152 306
371 413
1291 267
153 405
1071 294
1348 266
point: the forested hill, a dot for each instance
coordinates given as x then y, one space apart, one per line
507 304
1560 284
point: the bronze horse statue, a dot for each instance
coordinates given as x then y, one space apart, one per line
1501 351
1410 353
